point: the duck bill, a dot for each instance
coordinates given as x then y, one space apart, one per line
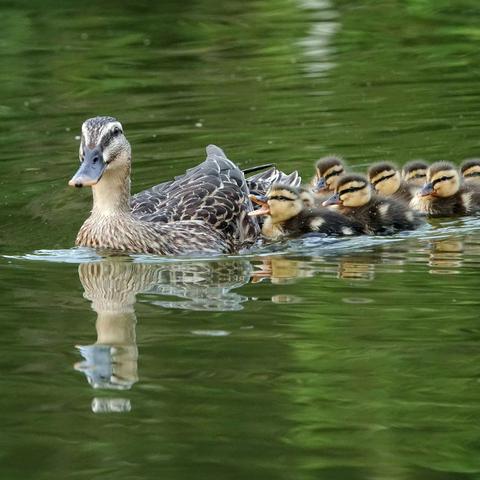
262 201
427 190
333 200
321 185
90 171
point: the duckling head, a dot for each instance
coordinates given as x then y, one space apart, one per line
104 150
328 171
414 173
352 191
281 203
443 181
471 170
385 178
307 197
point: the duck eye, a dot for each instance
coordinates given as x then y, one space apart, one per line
116 131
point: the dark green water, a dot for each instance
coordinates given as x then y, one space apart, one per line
341 360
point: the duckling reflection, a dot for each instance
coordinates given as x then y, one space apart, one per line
112 286
446 256
281 270
356 268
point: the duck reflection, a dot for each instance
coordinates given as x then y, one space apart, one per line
112 285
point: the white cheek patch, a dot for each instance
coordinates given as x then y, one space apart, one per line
347 231
317 223
383 209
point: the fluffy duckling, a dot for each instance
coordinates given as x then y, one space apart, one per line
327 172
288 216
414 173
471 171
444 195
387 181
377 215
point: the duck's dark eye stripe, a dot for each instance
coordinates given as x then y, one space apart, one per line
473 174
350 190
418 175
332 174
280 197
442 179
386 177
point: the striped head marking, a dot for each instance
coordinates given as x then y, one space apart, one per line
104 134
443 181
471 170
385 178
414 173
328 171
353 191
284 202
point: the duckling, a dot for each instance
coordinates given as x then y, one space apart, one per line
327 172
444 195
377 215
288 216
387 181
471 171
414 173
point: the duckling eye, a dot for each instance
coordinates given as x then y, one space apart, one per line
116 131
445 178
280 197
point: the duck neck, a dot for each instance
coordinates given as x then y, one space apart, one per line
111 195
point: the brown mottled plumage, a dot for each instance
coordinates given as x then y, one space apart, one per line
203 211
444 195
377 215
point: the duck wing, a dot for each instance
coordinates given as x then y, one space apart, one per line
260 183
214 192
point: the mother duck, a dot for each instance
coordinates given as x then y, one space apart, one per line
203 211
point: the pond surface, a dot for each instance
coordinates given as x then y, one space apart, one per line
352 359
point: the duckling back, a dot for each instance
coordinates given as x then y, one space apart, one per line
323 221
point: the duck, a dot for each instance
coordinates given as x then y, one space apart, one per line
387 181
470 170
203 211
327 172
287 216
377 215
444 194
414 173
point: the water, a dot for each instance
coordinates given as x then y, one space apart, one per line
314 359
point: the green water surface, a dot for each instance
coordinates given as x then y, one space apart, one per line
356 359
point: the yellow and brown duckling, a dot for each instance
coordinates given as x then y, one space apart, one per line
444 195
327 172
288 216
471 171
414 173
377 215
387 181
